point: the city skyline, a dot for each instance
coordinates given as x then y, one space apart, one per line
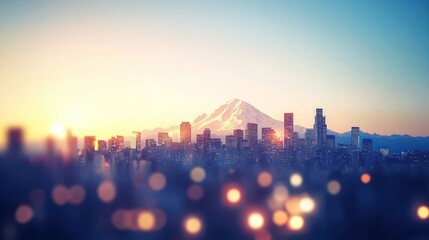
139 65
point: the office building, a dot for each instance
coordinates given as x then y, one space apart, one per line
355 135
320 128
185 133
288 129
252 134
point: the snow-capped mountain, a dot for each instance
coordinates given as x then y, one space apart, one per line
234 114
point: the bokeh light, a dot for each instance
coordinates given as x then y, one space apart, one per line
423 212
292 205
76 194
333 187
279 217
296 223
106 191
198 174
307 204
195 192
157 181
365 178
233 195
265 179
296 180
255 220
192 225
280 193
23 214
60 194
146 220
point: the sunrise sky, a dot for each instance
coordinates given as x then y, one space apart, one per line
112 67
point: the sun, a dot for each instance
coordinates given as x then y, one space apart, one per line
58 131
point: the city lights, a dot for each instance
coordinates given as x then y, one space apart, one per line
296 180
279 217
146 220
333 187
296 223
423 212
365 178
233 195
24 214
157 181
197 174
106 191
60 195
265 179
306 205
195 192
192 225
255 220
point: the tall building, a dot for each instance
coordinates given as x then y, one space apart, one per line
164 139
120 143
239 134
355 133
367 145
288 129
150 143
89 143
14 140
138 140
185 133
320 128
113 144
268 136
71 145
309 137
102 146
252 134
206 140
330 141
231 142
200 141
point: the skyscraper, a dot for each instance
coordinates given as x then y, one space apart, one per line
239 134
330 141
102 146
14 140
120 143
185 133
288 129
252 134
206 140
309 137
355 134
138 140
164 138
367 144
268 136
320 128
89 143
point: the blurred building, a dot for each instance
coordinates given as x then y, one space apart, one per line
309 137
150 143
120 143
268 136
320 128
185 133
330 141
252 134
164 139
138 140
288 129
367 145
355 135
89 143
231 142
15 140
206 140
239 134
102 146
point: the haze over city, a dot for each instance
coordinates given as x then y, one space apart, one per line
113 68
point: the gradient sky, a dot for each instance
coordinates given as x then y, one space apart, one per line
111 67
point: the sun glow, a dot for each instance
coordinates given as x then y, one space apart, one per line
58 131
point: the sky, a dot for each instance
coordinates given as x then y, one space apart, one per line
113 67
